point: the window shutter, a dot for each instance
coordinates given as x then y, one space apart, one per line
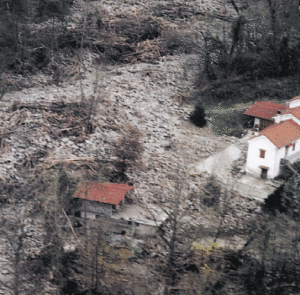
262 153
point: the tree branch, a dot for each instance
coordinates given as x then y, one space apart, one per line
235 6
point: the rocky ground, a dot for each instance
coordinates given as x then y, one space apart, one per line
144 96
153 97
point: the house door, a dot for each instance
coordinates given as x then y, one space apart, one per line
264 173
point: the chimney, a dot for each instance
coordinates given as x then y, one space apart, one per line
279 112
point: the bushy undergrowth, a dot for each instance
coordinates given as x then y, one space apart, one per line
212 193
227 93
270 265
228 123
286 198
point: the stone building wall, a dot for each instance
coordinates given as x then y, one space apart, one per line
96 208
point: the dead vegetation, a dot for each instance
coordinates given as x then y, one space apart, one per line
64 119
122 39
178 11
55 51
31 132
130 39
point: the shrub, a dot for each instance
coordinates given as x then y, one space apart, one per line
198 116
129 151
212 193
274 201
65 190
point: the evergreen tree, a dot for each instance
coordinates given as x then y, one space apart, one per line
198 116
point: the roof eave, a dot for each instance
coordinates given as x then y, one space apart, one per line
260 135
259 117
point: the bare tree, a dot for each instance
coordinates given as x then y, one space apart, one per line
175 232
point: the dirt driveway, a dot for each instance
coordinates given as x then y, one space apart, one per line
220 165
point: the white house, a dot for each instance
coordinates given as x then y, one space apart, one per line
280 140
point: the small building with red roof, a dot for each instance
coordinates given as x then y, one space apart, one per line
96 199
263 112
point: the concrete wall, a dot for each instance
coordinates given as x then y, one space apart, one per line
254 160
88 215
120 227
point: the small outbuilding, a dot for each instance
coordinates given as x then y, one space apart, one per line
263 112
98 199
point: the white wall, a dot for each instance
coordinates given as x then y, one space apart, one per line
88 215
294 155
294 103
280 155
297 148
256 121
254 160
286 117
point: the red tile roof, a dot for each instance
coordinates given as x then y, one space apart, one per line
282 134
110 193
297 97
265 110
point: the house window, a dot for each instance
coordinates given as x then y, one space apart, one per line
262 153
